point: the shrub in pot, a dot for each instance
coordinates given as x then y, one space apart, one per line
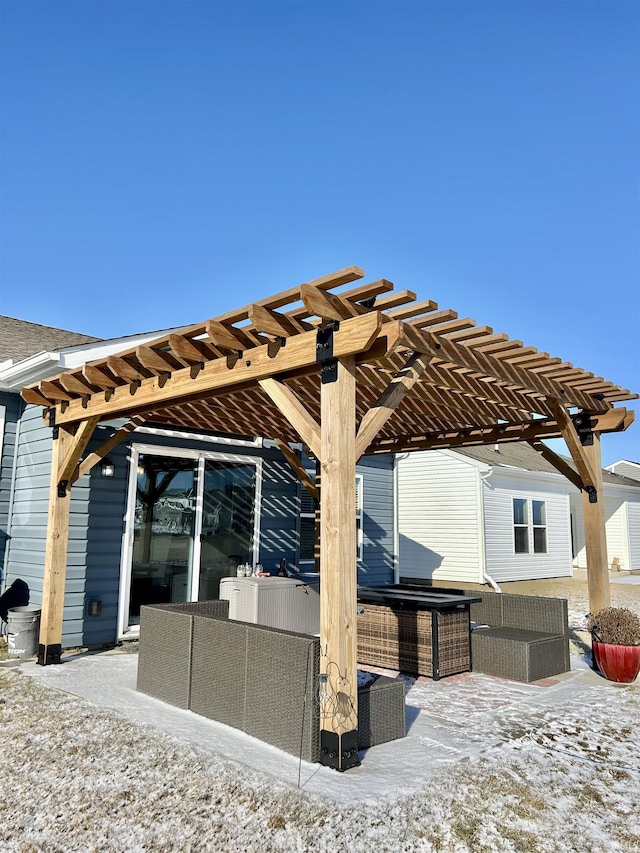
615 635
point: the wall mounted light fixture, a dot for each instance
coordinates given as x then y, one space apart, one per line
107 468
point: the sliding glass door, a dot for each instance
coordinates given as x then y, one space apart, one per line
228 522
191 520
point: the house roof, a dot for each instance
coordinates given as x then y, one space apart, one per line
424 377
19 338
625 468
522 455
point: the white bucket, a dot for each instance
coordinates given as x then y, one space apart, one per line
23 628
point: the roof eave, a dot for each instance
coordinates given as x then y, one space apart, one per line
42 365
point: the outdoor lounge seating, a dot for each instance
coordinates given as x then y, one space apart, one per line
261 680
521 637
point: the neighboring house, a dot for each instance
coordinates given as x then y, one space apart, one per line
625 468
622 514
502 513
179 510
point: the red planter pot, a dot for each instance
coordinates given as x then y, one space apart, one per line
617 663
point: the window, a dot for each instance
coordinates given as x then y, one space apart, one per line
307 527
529 526
359 514
520 526
308 523
539 518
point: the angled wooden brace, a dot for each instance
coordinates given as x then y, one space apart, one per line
577 451
391 397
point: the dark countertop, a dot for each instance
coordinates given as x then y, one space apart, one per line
403 596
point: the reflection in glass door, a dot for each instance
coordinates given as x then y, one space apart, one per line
228 521
163 537
192 520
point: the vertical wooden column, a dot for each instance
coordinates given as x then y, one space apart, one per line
595 535
316 521
55 558
338 601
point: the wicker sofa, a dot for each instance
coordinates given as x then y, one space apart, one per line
521 637
258 679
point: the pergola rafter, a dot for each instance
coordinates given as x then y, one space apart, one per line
346 369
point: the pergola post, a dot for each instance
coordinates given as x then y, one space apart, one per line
55 557
338 601
595 535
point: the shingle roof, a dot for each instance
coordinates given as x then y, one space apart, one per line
519 454
19 339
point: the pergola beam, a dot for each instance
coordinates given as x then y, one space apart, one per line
393 395
106 447
616 420
558 463
574 445
81 439
303 475
355 335
295 412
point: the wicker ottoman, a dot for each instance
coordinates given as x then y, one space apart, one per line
518 654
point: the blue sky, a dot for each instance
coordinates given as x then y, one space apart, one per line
163 162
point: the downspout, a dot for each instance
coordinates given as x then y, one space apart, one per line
396 518
486 577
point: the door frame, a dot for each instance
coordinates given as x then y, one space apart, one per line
126 631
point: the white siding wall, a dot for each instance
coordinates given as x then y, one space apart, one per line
633 526
615 513
622 519
438 518
503 564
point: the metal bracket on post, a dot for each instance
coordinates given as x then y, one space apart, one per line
62 488
324 352
593 494
340 752
49 654
582 423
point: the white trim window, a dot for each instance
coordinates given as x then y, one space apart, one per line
308 523
529 526
307 528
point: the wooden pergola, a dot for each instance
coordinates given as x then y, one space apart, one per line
346 370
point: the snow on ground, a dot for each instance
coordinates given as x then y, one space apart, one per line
488 765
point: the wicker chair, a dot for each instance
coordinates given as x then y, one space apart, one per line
521 637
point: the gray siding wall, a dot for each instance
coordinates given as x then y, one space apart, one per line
28 523
12 406
377 564
378 520
279 510
96 524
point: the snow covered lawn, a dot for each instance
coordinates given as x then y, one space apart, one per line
488 765
82 778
